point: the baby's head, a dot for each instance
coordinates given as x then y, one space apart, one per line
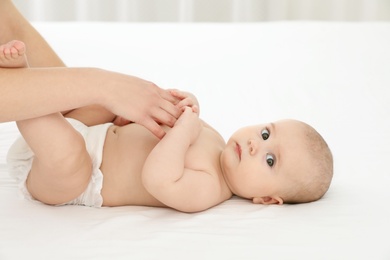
282 162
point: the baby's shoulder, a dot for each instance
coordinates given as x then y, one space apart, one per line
211 129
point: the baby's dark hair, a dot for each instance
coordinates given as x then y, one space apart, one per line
318 180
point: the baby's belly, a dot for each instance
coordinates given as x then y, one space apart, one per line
125 151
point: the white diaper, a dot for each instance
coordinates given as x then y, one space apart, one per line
20 157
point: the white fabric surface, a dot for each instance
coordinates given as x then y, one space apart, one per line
334 76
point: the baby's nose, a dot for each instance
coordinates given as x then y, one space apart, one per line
253 146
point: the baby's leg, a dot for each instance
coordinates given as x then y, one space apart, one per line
62 167
13 55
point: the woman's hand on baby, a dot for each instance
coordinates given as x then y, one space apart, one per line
142 102
120 121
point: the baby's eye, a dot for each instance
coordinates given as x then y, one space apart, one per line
265 134
270 160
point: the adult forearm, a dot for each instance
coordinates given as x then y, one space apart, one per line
33 92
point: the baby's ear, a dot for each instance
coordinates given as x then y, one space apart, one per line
267 200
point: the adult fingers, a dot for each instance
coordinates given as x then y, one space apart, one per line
164 117
170 108
166 94
153 127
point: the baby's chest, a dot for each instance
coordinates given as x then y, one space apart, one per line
205 153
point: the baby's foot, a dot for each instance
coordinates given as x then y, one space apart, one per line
13 55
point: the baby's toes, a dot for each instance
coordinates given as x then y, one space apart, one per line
20 47
7 53
14 53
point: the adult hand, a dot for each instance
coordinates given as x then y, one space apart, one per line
142 102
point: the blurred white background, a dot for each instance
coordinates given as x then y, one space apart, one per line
204 10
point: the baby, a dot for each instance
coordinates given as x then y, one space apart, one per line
90 157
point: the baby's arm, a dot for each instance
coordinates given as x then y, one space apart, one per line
188 99
165 176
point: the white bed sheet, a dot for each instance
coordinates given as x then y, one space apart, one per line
334 76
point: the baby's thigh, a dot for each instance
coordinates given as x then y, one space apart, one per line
57 185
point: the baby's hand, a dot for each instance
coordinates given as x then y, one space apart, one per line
189 120
184 99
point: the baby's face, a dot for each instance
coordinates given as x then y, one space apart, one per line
259 161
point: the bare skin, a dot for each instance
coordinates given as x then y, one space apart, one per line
31 92
13 55
191 169
123 183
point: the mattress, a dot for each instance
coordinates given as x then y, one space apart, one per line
334 76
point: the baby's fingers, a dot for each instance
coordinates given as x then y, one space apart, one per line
195 109
187 102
